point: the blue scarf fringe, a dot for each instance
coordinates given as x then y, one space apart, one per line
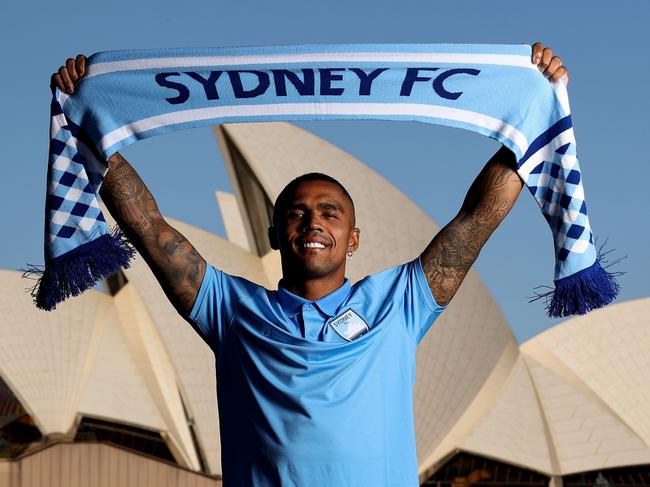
80 269
579 293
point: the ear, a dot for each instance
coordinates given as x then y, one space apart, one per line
273 238
353 244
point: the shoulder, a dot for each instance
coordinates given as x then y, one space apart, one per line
404 282
219 286
392 276
216 276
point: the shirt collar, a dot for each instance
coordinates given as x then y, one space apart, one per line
292 303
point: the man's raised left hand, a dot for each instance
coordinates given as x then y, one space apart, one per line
549 64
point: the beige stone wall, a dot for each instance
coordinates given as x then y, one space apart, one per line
96 465
9 474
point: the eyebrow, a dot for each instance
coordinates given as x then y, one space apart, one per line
320 206
330 206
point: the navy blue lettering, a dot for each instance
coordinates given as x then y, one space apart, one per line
413 75
438 82
183 91
263 83
366 79
326 78
209 85
304 86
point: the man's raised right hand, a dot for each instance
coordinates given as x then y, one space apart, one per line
68 75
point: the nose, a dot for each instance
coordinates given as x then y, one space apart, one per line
311 222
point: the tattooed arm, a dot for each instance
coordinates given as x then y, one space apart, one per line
176 264
451 253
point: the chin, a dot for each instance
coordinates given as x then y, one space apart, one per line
311 269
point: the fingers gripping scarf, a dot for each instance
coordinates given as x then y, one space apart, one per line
491 89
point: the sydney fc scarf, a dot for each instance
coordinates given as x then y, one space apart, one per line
494 90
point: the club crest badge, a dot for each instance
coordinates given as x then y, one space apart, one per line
349 325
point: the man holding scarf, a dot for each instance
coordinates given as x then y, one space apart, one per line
315 380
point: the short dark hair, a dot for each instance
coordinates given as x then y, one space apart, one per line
288 190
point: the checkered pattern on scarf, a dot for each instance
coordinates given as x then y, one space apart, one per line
555 182
74 177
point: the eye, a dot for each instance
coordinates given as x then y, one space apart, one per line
330 215
295 214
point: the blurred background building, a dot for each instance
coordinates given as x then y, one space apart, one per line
115 389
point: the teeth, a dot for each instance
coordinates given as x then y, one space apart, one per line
313 245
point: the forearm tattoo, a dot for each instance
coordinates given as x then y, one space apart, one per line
451 253
175 262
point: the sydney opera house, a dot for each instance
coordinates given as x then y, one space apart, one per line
115 389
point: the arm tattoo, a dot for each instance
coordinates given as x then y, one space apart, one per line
128 199
451 253
177 265
174 261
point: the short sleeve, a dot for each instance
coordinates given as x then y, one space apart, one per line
407 285
216 304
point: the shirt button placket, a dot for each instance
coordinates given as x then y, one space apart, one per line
308 320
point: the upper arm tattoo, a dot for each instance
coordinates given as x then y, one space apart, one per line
451 253
447 259
175 262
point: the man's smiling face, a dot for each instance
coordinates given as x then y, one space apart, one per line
315 230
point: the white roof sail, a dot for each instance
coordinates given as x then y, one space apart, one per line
44 356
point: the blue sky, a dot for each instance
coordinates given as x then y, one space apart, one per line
602 43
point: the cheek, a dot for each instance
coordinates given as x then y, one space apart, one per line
285 238
288 231
343 238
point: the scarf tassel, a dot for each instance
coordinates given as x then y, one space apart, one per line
579 293
80 269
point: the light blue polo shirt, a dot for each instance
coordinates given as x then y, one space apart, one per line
299 405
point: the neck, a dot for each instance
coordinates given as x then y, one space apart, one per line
312 289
